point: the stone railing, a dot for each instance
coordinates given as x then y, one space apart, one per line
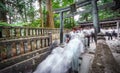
9 32
23 53
16 47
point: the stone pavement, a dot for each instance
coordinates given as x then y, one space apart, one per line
86 63
87 59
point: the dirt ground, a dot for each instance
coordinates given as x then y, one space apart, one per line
114 46
107 57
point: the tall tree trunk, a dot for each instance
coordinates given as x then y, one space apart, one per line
50 21
25 13
10 17
32 15
44 15
15 16
3 12
41 14
22 16
86 18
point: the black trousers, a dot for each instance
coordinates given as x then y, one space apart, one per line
0 34
109 37
88 41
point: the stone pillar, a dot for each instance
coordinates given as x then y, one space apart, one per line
3 54
6 32
22 47
14 50
26 32
18 32
50 38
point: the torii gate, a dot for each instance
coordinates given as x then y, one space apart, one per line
80 4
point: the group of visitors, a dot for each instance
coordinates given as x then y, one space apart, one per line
85 33
110 33
88 34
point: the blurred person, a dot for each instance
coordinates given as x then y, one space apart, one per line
114 33
67 37
87 35
73 33
109 34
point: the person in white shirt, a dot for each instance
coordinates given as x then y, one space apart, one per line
73 33
87 33
103 31
66 37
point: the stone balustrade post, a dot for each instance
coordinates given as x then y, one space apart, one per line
50 38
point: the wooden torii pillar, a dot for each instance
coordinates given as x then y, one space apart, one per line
61 27
95 18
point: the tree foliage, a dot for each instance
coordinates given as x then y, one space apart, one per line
61 4
69 23
18 10
103 14
35 23
23 12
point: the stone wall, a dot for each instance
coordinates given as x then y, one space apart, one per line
24 63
